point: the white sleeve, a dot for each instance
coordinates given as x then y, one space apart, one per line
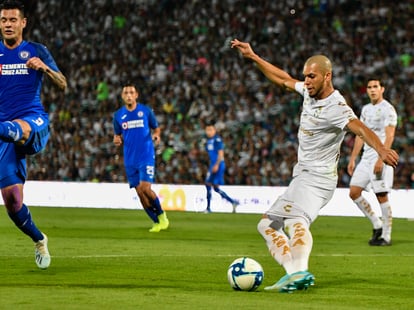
300 88
341 113
391 119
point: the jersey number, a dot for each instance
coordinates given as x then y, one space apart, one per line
150 170
39 121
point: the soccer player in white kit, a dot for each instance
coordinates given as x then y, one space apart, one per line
371 173
324 118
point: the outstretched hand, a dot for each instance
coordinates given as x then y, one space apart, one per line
244 48
390 157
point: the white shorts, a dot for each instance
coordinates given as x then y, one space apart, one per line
306 194
365 178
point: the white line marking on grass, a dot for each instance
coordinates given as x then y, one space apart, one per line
219 255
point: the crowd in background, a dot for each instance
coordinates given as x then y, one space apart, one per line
177 53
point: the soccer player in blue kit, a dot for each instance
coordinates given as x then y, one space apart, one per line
136 127
24 124
215 176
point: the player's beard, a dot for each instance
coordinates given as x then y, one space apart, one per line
314 94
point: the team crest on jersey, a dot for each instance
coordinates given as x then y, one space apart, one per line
24 55
317 112
140 113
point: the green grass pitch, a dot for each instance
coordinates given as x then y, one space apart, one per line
107 259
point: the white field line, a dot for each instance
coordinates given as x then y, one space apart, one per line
219 255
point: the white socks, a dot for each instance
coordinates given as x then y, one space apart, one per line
301 242
290 247
385 223
365 207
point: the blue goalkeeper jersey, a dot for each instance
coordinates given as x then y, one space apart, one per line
20 87
135 127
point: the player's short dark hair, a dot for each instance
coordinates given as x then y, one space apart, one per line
128 84
11 5
374 78
210 123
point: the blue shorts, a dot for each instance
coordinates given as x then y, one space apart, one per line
13 156
39 135
143 172
216 178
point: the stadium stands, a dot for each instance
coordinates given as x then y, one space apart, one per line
178 54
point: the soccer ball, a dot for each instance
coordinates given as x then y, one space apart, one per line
245 274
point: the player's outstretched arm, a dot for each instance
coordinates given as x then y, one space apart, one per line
388 156
273 73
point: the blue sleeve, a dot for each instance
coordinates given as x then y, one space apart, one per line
45 56
117 127
219 144
152 120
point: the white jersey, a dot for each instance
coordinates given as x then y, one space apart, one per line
321 131
376 117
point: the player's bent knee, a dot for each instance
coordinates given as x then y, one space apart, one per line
354 196
13 199
354 192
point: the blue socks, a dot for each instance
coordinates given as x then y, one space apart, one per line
224 195
220 192
208 197
151 214
154 210
23 220
157 206
10 131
